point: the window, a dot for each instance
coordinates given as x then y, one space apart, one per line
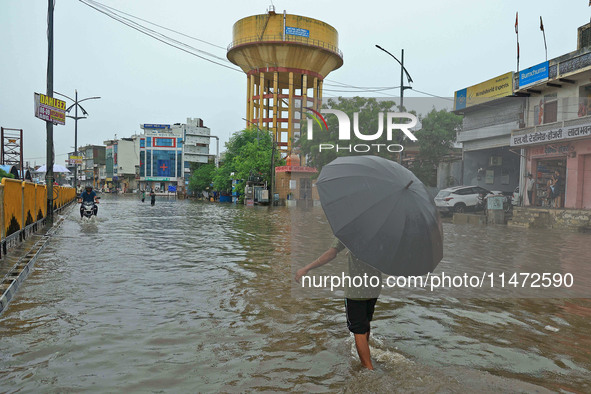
149 141
142 143
584 101
164 164
550 111
142 162
464 192
149 162
179 164
164 142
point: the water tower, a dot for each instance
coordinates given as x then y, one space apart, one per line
285 58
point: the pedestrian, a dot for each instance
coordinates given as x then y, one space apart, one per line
143 195
152 197
359 301
530 188
550 192
557 189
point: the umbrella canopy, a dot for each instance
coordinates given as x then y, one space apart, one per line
382 213
56 168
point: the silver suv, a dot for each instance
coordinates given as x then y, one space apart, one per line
460 198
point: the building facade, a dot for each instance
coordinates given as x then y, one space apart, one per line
167 151
123 162
93 160
556 139
491 112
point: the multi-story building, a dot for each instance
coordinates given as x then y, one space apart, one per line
166 152
556 137
491 112
123 162
90 170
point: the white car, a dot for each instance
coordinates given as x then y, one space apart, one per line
461 198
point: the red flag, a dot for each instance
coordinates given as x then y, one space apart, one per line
542 25
517 23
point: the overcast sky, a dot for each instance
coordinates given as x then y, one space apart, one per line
448 45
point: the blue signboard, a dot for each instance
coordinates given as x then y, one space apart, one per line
533 74
156 126
460 99
296 31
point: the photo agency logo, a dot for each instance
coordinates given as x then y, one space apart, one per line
392 124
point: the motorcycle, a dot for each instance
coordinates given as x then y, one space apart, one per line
89 209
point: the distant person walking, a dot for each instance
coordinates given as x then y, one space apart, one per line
143 195
152 197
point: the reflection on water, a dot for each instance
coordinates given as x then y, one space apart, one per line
188 296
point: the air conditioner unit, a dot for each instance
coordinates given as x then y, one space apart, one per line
495 161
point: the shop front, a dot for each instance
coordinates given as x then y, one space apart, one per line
559 159
161 185
548 165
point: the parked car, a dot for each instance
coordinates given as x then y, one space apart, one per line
461 198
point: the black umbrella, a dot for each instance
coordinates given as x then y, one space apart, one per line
382 213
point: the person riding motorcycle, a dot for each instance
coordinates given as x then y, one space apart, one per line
88 195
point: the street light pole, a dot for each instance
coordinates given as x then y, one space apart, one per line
402 87
76 117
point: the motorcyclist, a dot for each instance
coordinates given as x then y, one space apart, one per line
88 195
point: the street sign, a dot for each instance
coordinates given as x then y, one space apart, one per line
75 160
50 109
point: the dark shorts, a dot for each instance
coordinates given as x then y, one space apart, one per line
359 314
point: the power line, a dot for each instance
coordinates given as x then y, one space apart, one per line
160 26
111 13
152 33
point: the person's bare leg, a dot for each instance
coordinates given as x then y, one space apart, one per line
362 345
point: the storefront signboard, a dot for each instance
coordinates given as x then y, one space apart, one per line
552 135
497 87
157 178
537 73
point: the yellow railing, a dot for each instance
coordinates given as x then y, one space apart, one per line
24 203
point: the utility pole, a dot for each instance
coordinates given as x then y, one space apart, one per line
49 125
76 117
402 87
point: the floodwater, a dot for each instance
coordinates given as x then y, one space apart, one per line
190 296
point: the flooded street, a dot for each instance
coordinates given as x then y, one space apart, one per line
188 296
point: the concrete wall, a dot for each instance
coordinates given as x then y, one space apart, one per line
480 160
128 156
449 174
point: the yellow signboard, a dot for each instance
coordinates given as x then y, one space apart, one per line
50 109
500 86
75 160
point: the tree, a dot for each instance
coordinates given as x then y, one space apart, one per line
4 174
368 109
202 177
435 139
248 152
